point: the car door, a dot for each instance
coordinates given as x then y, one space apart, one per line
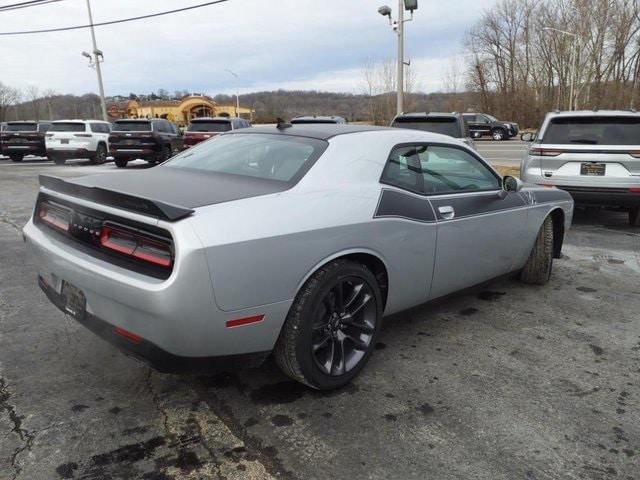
408 237
479 225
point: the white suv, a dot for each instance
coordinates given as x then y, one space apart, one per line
593 155
78 139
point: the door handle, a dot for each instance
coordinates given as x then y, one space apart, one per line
447 212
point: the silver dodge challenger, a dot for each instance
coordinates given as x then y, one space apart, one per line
291 240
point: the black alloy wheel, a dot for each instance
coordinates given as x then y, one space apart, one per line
343 327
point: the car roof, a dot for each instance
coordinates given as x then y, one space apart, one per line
23 121
320 118
426 115
216 119
594 113
321 131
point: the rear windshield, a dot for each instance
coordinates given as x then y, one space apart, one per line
270 157
132 126
445 125
67 127
593 131
21 127
219 126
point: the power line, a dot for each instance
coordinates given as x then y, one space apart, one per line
112 22
32 3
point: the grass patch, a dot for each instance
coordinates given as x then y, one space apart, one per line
505 170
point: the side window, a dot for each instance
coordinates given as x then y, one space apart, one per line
96 127
161 127
403 168
448 169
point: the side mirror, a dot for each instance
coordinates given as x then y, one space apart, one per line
528 136
511 184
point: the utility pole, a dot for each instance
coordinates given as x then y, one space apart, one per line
398 27
97 59
400 76
237 96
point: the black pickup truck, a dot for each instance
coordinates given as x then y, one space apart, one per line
483 124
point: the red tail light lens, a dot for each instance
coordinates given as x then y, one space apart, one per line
136 245
635 153
54 216
545 152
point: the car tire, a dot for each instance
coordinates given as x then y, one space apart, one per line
321 348
58 160
100 156
16 158
498 134
166 153
121 162
634 216
537 270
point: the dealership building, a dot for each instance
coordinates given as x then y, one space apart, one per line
177 111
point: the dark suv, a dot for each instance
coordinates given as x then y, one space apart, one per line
154 140
24 138
482 124
450 124
203 128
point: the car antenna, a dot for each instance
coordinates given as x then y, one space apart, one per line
281 125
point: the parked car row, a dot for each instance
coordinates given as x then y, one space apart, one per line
154 140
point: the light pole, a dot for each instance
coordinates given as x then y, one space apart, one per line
97 59
572 59
237 96
398 27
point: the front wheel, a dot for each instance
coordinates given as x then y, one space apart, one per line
331 327
498 134
537 270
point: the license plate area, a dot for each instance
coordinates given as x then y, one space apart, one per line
75 303
592 169
64 141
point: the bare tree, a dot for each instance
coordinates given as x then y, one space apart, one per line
9 96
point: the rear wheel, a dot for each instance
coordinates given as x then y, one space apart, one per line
121 162
166 153
634 216
331 327
58 160
100 156
498 134
16 158
537 270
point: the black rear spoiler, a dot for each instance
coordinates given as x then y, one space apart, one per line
141 205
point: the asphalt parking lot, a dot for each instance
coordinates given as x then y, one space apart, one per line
505 381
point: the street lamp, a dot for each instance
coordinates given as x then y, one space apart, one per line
398 27
237 96
572 59
94 62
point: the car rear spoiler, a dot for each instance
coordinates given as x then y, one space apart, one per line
141 205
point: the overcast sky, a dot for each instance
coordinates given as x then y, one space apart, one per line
270 44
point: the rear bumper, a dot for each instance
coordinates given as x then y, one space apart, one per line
8 150
69 152
151 354
621 197
131 152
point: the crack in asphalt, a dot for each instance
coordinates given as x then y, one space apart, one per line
156 402
25 436
11 223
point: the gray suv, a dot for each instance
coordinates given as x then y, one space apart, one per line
451 124
593 155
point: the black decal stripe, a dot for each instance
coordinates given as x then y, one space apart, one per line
397 204
470 205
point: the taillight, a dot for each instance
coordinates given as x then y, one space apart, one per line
54 216
136 245
82 135
545 152
634 189
635 153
